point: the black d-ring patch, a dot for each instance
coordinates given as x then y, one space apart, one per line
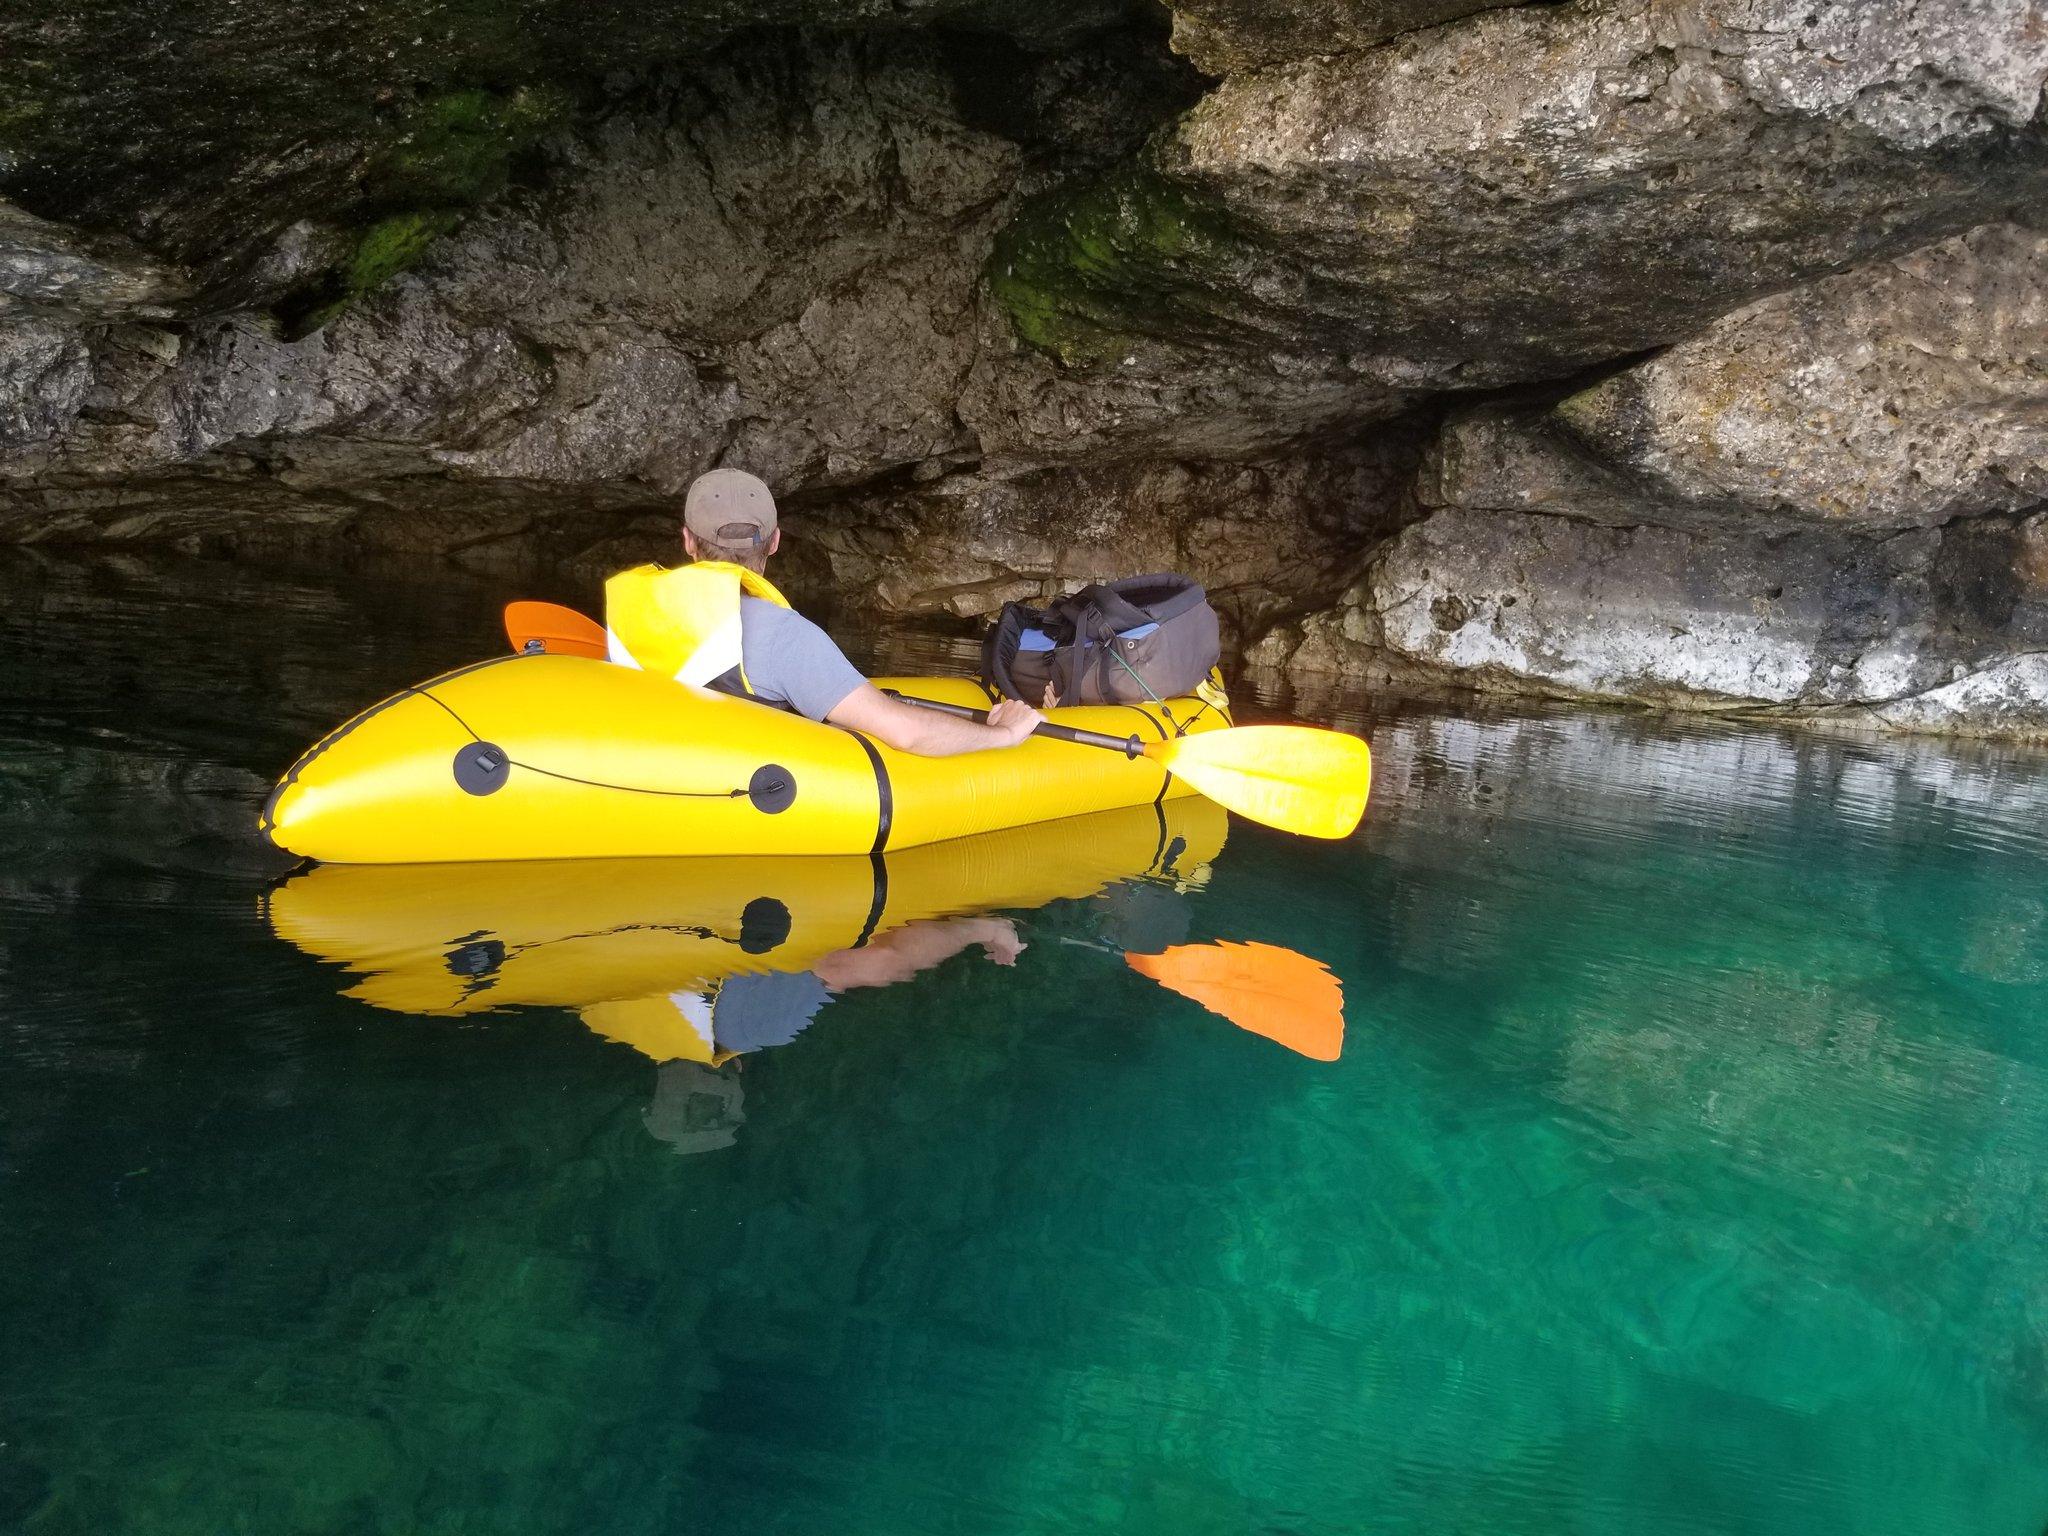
482 767
772 789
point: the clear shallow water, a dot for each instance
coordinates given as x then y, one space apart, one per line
1682 1170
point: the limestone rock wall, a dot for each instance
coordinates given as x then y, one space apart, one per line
1226 37
1269 539
1510 197
771 260
1805 622
1828 502
1903 394
1686 352
296 153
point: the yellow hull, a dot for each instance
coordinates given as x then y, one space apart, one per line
559 757
616 939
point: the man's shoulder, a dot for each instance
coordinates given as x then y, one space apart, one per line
791 660
760 608
772 618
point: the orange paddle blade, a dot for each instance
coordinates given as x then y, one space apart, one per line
560 631
1260 987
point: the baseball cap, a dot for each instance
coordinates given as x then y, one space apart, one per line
729 506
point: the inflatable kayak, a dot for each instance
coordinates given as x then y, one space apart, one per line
620 940
553 757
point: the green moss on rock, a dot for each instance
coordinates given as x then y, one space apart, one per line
457 148
1085 272
391 245
260 118
385 249
455 151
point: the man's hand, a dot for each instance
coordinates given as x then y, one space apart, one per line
1015 719
999 939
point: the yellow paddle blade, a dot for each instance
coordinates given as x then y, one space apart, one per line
1260 987
560 631
1294 777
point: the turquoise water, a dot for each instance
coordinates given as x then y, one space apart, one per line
1682 1171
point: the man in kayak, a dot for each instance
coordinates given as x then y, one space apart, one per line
720 623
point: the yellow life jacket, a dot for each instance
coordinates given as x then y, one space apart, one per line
672 1027
683 623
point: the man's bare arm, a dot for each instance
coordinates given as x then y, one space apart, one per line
927 732
901 953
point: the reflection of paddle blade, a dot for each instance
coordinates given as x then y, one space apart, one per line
556 630
1260 987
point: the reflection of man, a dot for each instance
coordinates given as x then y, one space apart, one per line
697 1108
753 1012
902 952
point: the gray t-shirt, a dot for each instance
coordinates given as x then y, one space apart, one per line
753 1012
789 660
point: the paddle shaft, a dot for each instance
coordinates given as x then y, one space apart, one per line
1130 746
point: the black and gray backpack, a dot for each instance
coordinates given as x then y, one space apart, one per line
1131 641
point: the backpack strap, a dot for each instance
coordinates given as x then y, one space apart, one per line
1102 612
1096 615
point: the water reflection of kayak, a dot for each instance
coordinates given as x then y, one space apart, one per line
633 944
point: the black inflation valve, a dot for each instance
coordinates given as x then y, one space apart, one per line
482 767
772 789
